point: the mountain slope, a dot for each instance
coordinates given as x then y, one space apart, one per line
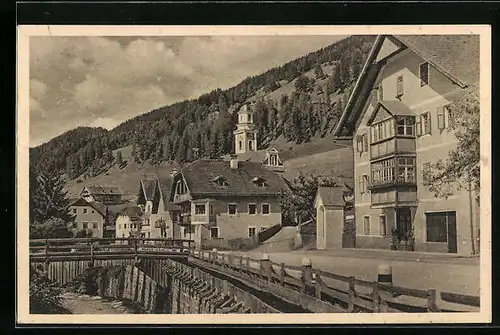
296 104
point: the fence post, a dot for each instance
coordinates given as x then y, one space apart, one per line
317 285
306 273
282 274
431 301
352 293
375 297
92 254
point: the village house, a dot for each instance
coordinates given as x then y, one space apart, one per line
129 221
399 118
89 217
108 195
158 215
222 199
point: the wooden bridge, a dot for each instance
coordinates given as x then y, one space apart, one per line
272 284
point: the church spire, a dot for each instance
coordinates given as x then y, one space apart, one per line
245 135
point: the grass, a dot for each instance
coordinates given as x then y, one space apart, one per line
127 178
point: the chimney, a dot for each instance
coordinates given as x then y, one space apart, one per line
174 172
234 162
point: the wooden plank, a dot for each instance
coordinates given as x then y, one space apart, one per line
461 299
412 292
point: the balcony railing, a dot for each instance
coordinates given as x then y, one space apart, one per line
392 183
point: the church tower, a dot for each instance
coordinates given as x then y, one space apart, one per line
245 135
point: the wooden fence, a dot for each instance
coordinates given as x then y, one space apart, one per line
62 260
352 294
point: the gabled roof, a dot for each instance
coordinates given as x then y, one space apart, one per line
104 190
133 212
456 56
394 108
149 187
166 188
100 208
200 174
331 195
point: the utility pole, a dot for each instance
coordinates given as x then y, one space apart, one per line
473 242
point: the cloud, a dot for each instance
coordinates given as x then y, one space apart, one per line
80 80
105 122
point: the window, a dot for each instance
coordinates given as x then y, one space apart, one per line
199 209
265 209
214 232
426 171
251 231
252 209
74 210
220 181
93 211
181 187
425 123
424 74
124 226
119 226
231 209
94 225
399 86
250 145
85 225
437 226
380 92
363 183
383 171
240 145
85 210
406 169
362 143
382 225
448 116
405 125
382 130
250 118
366 225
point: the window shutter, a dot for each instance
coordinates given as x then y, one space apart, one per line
441 118
418 126
429 125
374 97
365 143
449 115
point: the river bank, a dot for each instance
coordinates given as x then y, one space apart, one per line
77 303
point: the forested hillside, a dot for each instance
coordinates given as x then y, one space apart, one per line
297 101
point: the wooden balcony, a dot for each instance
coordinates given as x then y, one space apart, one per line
394 196
179 198
395 145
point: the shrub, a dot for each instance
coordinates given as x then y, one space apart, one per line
44 296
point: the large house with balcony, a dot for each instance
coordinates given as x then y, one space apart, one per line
222 199
399 118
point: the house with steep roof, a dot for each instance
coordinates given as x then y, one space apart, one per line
400 120
108 195
159 216
129 222
90 217
222 199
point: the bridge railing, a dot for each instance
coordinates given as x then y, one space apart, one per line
106 248
350 292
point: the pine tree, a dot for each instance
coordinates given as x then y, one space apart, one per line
49 199
119 158
318 72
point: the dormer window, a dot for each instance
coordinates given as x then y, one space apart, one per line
259 181
220 181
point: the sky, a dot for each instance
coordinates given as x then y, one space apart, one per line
103 81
